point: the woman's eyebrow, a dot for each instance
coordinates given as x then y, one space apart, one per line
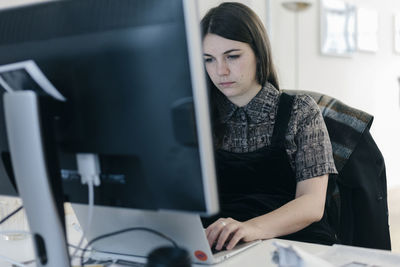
232 50
226 52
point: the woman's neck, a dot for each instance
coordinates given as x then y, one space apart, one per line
244 99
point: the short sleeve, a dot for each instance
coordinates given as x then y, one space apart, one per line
308 144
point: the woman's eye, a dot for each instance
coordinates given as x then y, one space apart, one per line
233 56
208 60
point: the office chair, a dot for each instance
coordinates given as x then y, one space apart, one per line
356 200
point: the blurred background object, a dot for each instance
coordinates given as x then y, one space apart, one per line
296 6
16 226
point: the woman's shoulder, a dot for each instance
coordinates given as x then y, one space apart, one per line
304 105
304 112
304 101
301 100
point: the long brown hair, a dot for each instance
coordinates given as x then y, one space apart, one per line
238 22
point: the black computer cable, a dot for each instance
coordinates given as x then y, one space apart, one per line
11 214
125 231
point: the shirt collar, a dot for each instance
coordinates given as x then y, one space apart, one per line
257 109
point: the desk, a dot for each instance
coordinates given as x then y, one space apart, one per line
19 250
23 250
259 255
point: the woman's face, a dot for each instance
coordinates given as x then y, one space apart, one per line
231 66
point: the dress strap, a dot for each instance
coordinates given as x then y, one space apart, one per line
282 118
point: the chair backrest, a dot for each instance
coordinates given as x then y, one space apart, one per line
357 196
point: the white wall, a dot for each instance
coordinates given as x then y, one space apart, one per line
367 81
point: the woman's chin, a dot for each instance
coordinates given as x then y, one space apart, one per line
229 92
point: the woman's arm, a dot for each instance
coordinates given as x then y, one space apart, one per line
307 207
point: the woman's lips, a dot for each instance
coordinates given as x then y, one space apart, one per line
226 84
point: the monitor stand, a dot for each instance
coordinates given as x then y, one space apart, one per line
26 143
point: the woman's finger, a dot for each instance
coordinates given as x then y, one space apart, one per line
226 232
211 226
214 231
238 235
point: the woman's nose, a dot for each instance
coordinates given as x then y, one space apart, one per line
222 68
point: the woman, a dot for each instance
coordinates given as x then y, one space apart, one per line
272 163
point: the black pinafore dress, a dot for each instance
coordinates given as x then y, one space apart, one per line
255 183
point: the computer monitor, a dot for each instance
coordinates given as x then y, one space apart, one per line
132 75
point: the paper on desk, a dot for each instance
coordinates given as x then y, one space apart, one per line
292 256
335 256
341 255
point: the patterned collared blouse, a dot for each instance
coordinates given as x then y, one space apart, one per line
250 128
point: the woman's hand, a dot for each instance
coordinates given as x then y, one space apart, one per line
306 208
226 230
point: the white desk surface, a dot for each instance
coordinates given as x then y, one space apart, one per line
259 255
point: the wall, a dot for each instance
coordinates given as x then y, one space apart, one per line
367 81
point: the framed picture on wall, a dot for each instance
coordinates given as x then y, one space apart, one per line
338 28
367 29
397 33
